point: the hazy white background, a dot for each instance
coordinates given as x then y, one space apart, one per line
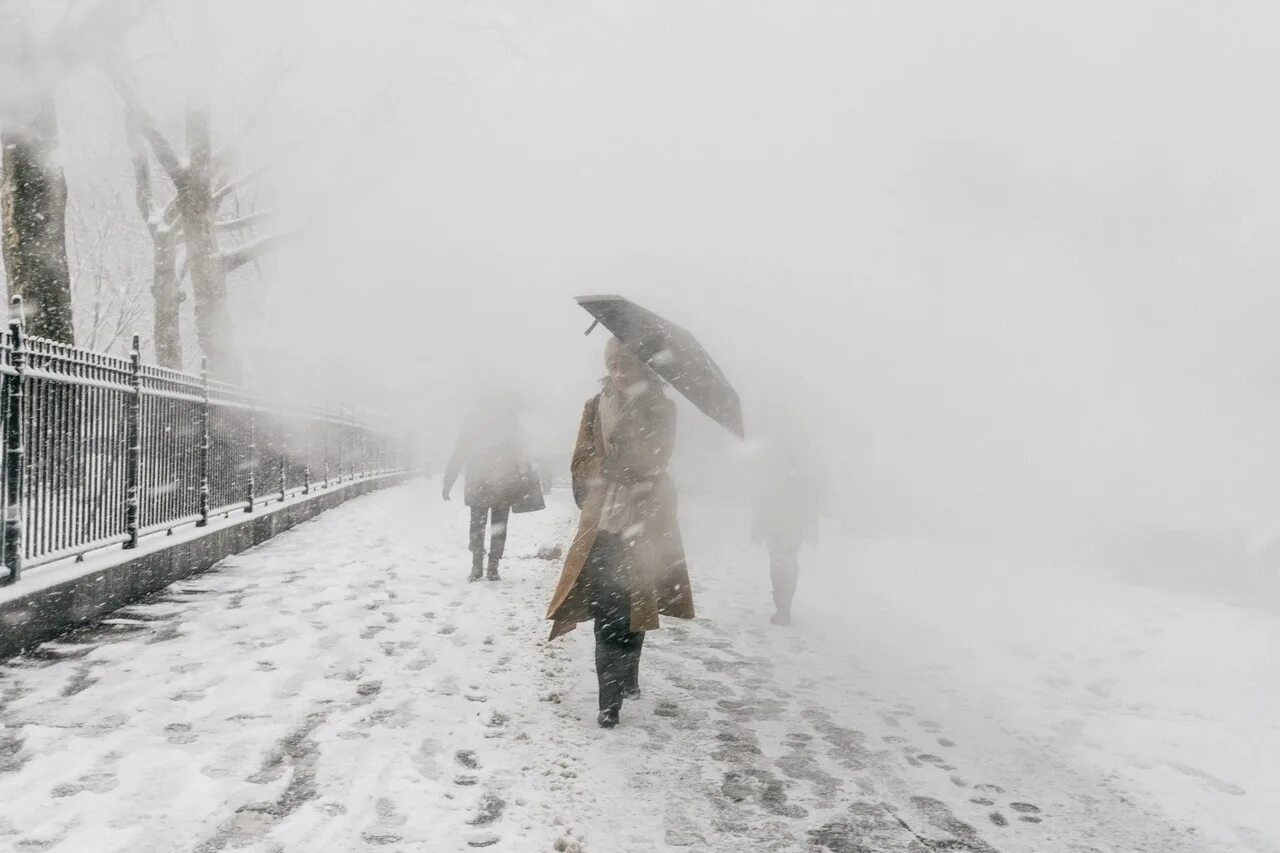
1014 259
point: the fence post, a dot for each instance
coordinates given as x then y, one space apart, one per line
204 443
133 440
342 431
15 451
284 455
253 454
309 438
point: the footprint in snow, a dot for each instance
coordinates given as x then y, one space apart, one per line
390 821
179 733
483 839
1027 812
1220 785
490 808
421 662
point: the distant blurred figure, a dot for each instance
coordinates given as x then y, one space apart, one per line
490 453
791 487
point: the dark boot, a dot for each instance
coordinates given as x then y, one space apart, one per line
610 674
477 566
493 570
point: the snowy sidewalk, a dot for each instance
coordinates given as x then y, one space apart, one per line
343 688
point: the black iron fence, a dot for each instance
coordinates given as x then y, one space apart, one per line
101 450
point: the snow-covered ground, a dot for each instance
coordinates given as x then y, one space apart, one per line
343 688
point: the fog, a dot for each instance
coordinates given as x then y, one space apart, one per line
1008 260
1006 269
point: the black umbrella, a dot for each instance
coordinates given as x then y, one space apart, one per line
673 353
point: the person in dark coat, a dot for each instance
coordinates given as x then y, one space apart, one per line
626 564
791 486
490 454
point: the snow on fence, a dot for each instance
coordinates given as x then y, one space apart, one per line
100 450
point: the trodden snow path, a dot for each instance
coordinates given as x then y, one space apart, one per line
343 688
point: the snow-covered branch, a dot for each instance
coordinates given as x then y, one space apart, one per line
245 221
238 257
231 186
140 119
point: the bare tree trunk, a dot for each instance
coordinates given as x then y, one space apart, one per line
198 209
33 197
167 300
201 186
165 294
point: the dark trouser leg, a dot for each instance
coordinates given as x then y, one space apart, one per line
479 515
498 518
617 662
479 518
784 567
617 646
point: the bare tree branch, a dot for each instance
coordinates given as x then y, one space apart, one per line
138 116
242 255
199 139
141 173
246 221
231 186
169 220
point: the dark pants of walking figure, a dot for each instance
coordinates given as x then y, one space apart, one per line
617 646
497 517
784 568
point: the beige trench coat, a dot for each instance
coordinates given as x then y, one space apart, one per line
659 576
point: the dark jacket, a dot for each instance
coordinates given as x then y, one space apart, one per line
490 455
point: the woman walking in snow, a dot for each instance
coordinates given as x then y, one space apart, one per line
626 564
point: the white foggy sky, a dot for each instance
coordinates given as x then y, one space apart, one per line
1015 253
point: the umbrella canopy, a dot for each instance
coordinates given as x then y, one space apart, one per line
673 353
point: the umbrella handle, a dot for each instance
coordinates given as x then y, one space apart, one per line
592 327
